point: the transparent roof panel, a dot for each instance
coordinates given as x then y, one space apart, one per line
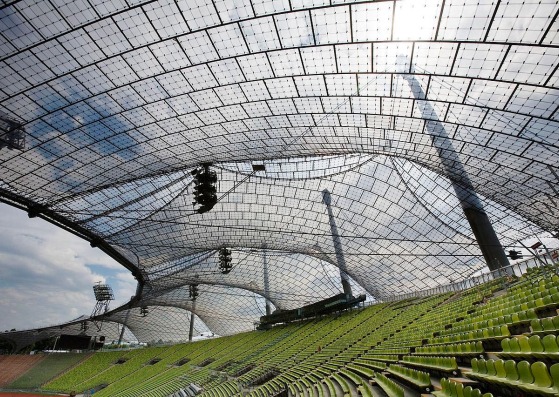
389 106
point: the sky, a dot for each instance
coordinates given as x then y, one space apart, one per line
47 274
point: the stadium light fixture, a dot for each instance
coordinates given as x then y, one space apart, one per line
205 192
225 260
12 133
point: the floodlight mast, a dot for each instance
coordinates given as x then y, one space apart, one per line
12 133
103 295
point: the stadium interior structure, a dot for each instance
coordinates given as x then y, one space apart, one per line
262 162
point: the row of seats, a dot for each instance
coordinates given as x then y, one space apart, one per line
459 349
548 324
419 379
532 378
391 388
501 331
444 364
454 389
533 346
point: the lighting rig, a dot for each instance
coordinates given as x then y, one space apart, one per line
103 295
205 191
225 260
12 133
193 291
514 255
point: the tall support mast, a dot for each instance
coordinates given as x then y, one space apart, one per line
327 199
191 330
193 293
121 336
266 282
472 206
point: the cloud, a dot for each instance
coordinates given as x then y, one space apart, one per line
46 273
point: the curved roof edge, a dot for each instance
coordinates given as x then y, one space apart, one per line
40 211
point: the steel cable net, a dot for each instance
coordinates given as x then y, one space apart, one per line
161 324
382 104
290 280
392 240
224 310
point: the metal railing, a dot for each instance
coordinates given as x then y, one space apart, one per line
514 270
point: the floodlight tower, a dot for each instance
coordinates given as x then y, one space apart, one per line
103 295
12 133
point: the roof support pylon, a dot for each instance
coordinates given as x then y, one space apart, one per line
472 206
266 281
191 330
337 243
121 336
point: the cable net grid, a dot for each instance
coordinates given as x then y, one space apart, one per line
121 102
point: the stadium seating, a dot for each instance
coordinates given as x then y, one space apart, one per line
14 367
398 348
453 389
535 378
47 368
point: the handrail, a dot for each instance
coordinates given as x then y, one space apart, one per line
517 269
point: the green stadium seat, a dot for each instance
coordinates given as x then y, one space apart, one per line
391 388
511 371
475 366
459 387
524 373
453 389
536 346
542 379
524 343
490 368
555 321
536 326
500 369
554 373
365 391
548 324
551 347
